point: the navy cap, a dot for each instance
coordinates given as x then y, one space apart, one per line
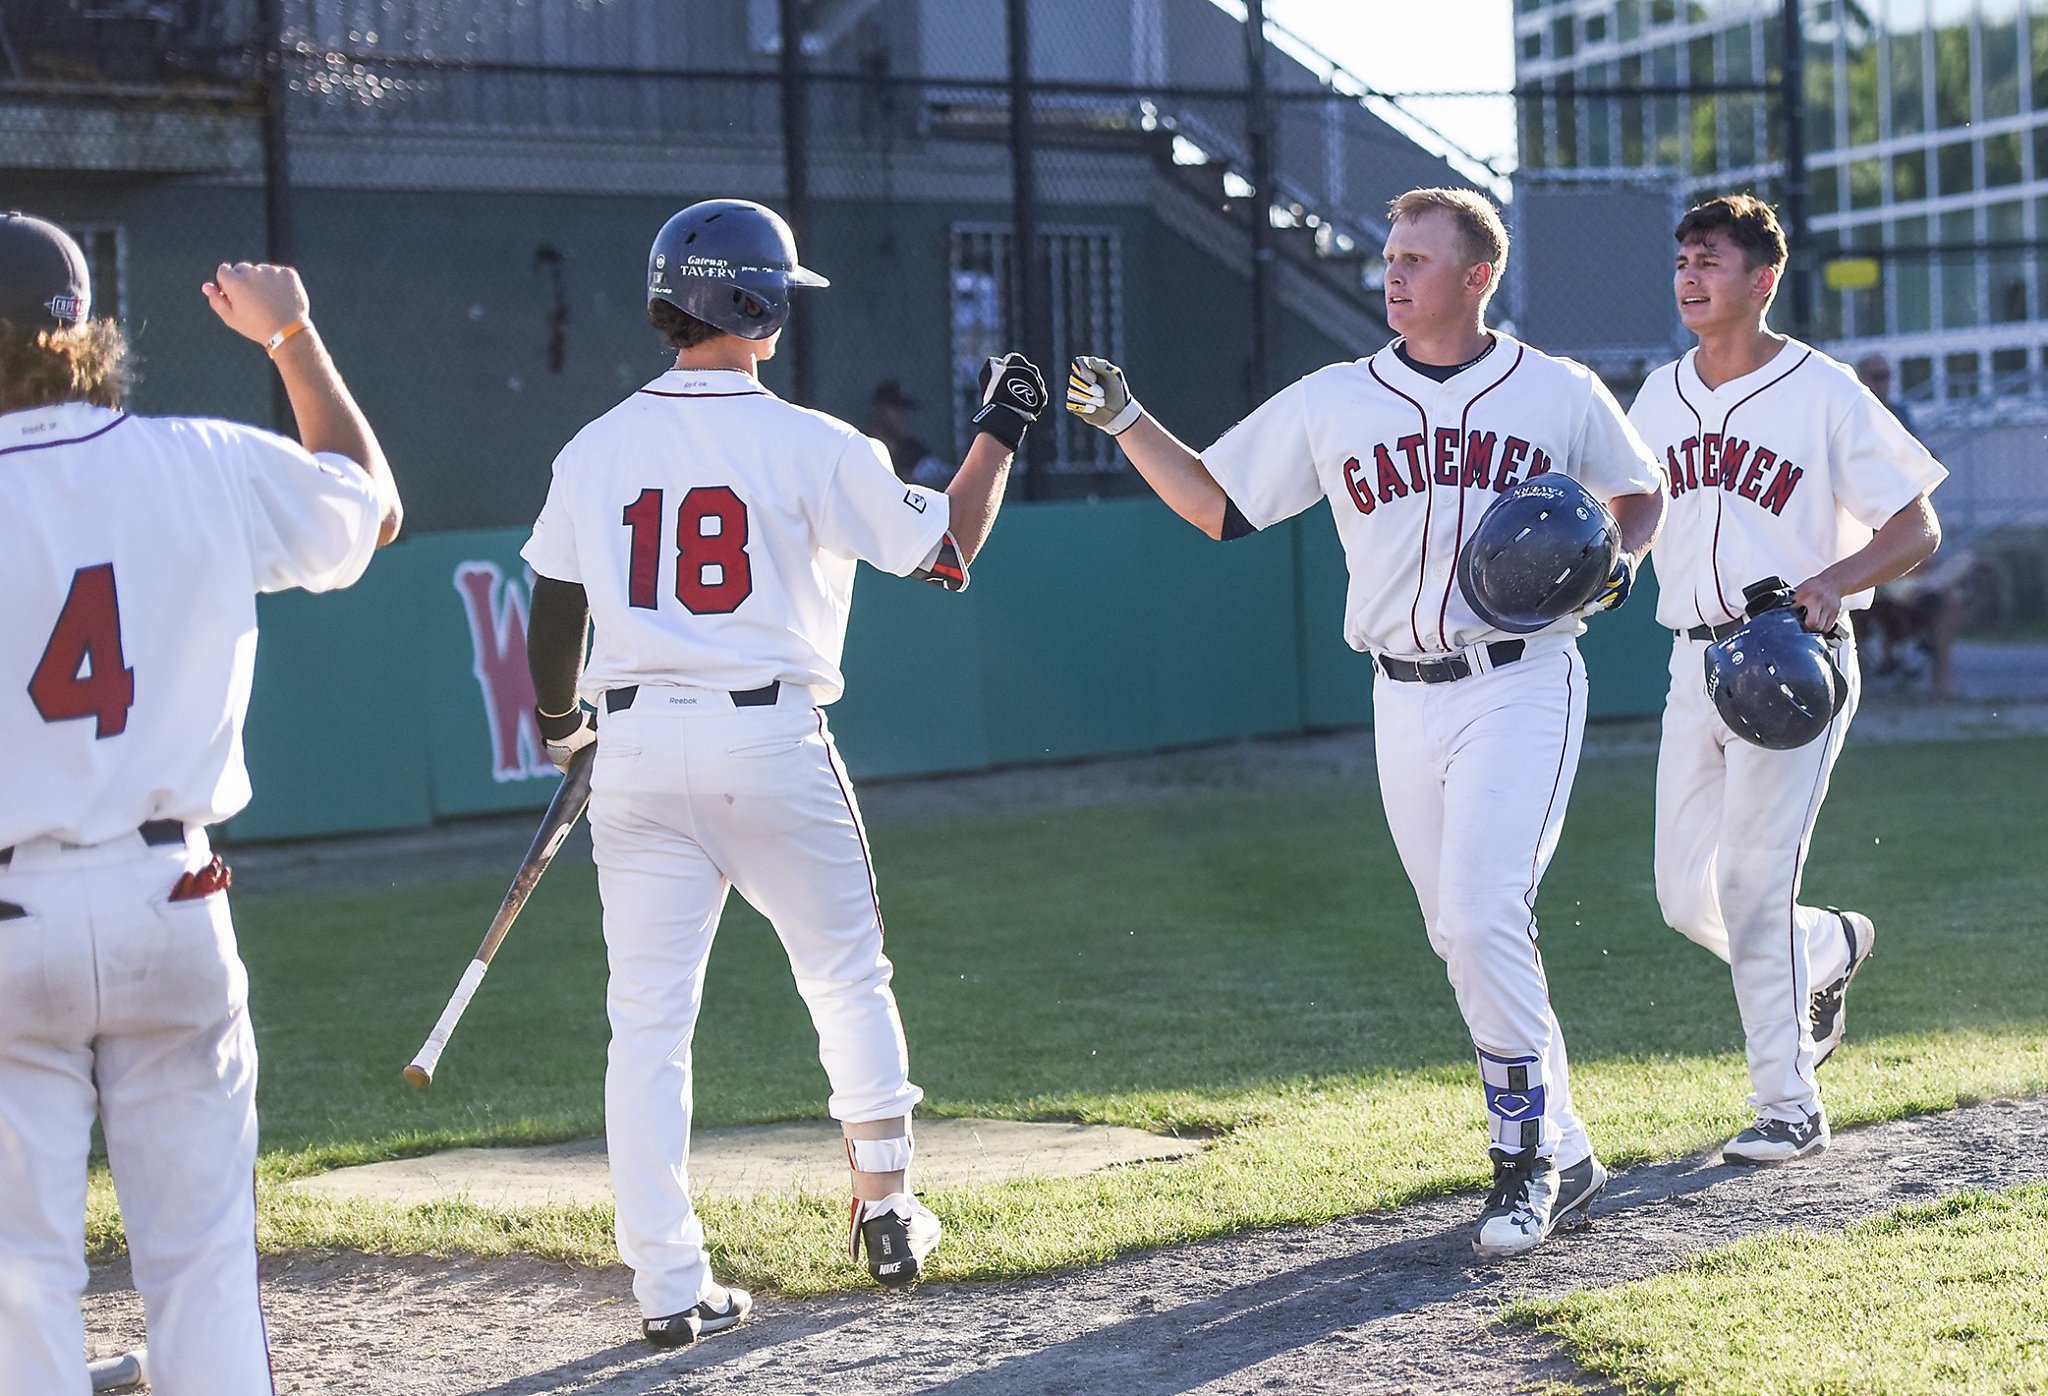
43 281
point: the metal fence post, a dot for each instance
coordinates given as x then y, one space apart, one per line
1029 288
1793 105
274 86
796 176
1259 133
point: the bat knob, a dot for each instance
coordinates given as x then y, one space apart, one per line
419 1076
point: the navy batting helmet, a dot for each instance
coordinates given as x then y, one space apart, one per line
730 263
1773 681
1542 551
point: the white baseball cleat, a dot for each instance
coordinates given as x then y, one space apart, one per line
1828 1008
1770 1141
899 1232
1520 1207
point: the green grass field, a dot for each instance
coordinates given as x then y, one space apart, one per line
1241 960
1947 1297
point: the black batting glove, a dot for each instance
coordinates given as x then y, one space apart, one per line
1619 581
1012 396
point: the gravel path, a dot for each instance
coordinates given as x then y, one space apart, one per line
1381 1303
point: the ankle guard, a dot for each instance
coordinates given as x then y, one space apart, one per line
879 1155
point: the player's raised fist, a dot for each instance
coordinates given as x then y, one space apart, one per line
1012 395
257 300
1099 396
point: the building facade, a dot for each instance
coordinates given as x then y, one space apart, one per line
1926 130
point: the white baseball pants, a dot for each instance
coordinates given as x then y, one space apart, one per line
1475 775
115 1000
1733 825
691 797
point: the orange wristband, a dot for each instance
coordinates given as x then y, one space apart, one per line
276 341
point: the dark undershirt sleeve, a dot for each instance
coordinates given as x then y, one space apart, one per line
1235 524
556 624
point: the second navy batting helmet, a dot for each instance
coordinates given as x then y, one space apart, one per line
1542 551
1773 681
730 263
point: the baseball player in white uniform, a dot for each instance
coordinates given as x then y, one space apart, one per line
1477 731
131 552
712 531
1780 463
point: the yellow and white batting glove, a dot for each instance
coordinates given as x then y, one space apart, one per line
1099 396
1619 583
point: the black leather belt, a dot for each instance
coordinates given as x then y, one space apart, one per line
1839 631
617 700
1451 667
157 833
1712 632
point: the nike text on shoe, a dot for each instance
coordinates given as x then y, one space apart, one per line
1577 1186
1770 1141
1829 1010
700 1322
899 1232
1520 1206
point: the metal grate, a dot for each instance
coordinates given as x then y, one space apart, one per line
1084 279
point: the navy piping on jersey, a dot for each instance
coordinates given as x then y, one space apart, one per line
1428 504
744 392
1678 384
67 441
1464 426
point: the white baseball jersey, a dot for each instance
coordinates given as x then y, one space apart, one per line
133 549
715 529
1781 472
1410 464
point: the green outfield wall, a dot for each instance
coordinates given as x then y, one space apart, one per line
1090 629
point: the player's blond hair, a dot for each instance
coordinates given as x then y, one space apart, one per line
1481 234
42 366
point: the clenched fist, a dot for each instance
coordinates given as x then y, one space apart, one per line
1099 396
256 300
1012 396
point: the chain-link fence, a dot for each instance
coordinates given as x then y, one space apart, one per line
471 185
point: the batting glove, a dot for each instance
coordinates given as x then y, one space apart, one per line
567 734
1099 396
1610 596
1012 396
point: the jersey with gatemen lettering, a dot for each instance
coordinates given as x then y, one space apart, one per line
1781 472
131 552
715 530
1410 464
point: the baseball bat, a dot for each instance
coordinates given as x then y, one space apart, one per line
121 1371
563 812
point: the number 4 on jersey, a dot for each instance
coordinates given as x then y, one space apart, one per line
82 672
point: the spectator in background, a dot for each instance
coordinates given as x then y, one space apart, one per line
889 423
1875 371
1926 607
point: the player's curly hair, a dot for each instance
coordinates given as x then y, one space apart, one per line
1480 230
678 327
1750 223
42 366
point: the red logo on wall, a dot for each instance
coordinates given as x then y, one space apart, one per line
496 607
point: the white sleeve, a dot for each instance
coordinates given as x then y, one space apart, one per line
551 549
313 520
1610 458
1265 463
1877 465
869 514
